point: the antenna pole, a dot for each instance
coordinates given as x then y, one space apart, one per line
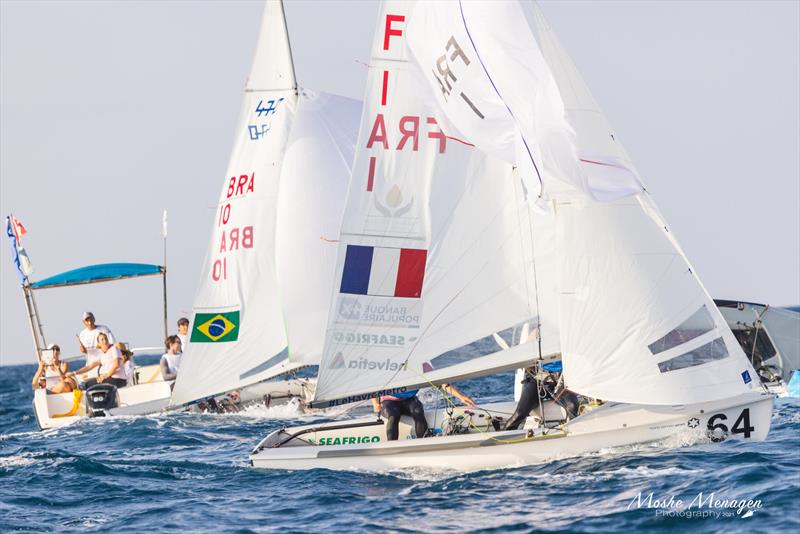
32 320
164 272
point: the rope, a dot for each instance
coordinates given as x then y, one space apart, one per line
481 431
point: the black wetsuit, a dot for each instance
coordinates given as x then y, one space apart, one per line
392 410
529 399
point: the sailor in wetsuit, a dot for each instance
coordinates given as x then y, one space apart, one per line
547 386
393 407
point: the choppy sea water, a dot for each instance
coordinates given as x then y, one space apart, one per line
190 473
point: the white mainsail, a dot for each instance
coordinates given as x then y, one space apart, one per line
300 147
635 323
436 244
238 335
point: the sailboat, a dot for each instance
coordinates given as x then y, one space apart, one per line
147 392
770 337
259 310
489 192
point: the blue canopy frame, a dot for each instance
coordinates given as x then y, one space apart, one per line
93 274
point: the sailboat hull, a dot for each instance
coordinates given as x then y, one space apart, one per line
746 417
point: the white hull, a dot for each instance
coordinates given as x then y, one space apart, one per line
611 425
151 397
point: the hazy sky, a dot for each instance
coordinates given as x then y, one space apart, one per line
112 111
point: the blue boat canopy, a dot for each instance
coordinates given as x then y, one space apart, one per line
93 274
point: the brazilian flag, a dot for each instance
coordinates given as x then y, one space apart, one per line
215 327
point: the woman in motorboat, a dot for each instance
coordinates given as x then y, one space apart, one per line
52 374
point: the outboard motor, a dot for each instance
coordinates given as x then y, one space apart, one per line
101 398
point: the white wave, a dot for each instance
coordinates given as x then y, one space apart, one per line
16 461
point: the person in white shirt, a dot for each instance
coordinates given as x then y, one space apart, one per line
110 364
171 360
183 332
88 337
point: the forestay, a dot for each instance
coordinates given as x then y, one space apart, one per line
436 248
237 332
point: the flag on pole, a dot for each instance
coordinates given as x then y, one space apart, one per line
19 229
164 224
14 231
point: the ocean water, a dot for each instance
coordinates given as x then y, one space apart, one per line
190 473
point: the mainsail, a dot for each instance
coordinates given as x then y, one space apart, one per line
436 248
237 329
634 321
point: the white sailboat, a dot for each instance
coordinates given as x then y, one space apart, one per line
543 223
272 249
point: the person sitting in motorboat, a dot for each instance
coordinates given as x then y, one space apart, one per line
183 332
127 361
109 363
542 387
393 407
52 373
87 339
171 360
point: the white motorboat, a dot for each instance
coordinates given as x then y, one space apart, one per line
489 191
770 337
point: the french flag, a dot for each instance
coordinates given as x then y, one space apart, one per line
381 271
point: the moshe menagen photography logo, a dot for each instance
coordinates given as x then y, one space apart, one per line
701 505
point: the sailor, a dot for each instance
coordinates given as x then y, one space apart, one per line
88 337
392 407
545 385
183 332
109 363
52 373
171 360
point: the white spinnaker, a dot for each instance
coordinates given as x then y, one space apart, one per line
313 190
608 169
453 213
625 282
238 282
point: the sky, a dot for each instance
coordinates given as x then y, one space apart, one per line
111 112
